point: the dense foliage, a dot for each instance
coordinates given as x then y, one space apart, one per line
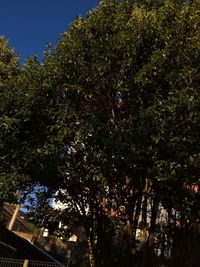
109 125
9 71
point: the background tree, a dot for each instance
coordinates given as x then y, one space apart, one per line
9 72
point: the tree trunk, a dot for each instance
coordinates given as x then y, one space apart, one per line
148 257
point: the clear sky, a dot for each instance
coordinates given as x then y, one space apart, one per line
30 24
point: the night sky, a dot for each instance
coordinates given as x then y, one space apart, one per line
30 24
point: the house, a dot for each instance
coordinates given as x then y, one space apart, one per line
13 246
17 221
19 238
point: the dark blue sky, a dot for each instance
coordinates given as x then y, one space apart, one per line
30 24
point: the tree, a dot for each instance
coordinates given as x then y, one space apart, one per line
112 126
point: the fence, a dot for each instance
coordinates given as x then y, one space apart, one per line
7 262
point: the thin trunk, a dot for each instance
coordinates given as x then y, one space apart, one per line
147 189
137 213
150 240
89 234
153 222
91 254
144 219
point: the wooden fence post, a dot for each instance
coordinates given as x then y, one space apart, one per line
26 263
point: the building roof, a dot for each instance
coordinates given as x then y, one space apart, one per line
23 248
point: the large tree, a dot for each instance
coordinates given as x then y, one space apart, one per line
111 123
